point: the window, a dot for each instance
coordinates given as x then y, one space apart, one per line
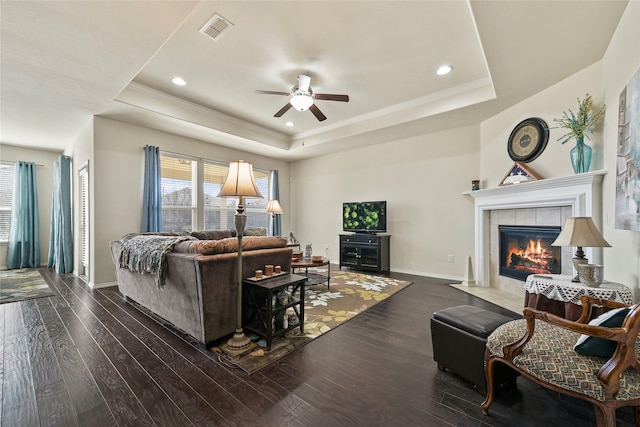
188 205
177 182
6 199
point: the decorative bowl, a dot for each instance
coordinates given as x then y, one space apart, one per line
590 274
316 258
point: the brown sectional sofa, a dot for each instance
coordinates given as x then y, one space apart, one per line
198 295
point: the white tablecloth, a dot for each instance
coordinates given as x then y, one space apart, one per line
561 288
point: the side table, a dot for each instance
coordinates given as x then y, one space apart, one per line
558 295
263 312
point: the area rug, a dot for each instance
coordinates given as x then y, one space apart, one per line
22 284
325 309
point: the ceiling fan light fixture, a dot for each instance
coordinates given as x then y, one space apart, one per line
301 101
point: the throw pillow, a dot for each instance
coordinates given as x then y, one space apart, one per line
600 347
255 231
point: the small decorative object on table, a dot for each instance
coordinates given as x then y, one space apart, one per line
307 251
283 297
579 126
317 258
590 274
292 238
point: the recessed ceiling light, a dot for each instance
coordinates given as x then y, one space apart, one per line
290 124
178 81
445 69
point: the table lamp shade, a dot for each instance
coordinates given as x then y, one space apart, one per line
582 232
274 207
240 181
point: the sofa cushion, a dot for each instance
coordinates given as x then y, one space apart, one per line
254 242
600 347
212 234
213 247
204 247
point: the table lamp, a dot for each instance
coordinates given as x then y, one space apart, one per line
240 183
580 232
273 207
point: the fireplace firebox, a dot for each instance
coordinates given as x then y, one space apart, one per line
526 250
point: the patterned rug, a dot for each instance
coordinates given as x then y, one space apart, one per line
22 284
325 309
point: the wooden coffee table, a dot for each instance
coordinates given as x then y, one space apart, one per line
314 278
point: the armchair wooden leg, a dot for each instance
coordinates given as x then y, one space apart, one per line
636 414
605 416
489 368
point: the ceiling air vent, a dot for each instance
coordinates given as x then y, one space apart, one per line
216 27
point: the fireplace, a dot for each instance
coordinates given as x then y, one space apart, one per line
526 250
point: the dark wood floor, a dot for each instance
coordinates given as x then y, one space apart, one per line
87 358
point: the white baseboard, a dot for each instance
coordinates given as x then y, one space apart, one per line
102 285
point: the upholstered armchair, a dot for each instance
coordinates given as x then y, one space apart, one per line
555 353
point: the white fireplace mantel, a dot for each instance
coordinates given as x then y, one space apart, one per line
582 192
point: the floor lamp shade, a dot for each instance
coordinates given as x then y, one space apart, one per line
273 208
240 181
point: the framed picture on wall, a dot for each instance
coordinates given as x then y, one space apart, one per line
628 157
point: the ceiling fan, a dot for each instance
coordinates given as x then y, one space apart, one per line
302 98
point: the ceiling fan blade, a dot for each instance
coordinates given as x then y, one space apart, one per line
282 110
316 112
304 82
331 97
272 92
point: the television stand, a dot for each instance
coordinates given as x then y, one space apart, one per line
365 252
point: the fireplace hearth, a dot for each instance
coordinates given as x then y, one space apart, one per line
526 250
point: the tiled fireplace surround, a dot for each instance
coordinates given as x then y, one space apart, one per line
543 202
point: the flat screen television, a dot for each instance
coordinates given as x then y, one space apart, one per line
364 217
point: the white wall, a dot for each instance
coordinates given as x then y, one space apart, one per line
44 182
547 105
621 62
421 179
118 176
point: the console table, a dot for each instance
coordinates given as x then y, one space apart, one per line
558 295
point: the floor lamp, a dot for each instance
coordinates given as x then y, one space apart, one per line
240 183
273 207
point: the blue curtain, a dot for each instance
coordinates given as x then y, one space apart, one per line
275 194
61 239
152 195
23 249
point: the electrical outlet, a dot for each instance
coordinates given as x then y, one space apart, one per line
450 258
326 246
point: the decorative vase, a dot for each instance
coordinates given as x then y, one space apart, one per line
590 274
580 156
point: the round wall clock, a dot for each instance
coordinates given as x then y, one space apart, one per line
528 140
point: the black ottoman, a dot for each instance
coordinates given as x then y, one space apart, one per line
459 335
